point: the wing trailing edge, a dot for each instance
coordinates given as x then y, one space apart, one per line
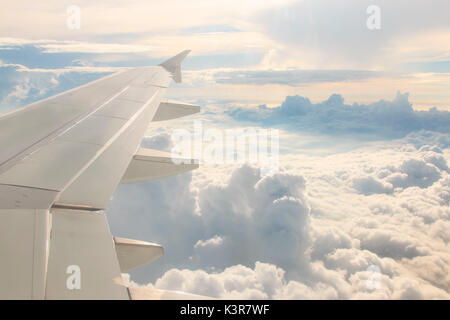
150 164
133 254
170 109
82 262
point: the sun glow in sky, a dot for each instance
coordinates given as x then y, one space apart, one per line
409 52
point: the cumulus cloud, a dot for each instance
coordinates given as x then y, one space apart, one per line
259 215
370 185
387 119
244 221
267 281
390 244
210 243
262 281
308 232
414 172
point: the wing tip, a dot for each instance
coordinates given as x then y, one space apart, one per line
173 65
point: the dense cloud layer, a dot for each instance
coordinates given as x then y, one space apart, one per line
321 228
245 221
388 119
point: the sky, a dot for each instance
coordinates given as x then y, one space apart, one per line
359 207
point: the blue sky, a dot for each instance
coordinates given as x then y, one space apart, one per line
364 137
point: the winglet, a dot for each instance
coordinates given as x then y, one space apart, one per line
173 65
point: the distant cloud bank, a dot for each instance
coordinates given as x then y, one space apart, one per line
387 119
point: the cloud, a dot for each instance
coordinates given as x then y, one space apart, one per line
388 119
390 244
370 185
415 172
334 216
243 222
210 243
328 240
225 240
266 281
412 172
209 29
20 85
263 281
322 225
428 140
323 32
141 17
293 77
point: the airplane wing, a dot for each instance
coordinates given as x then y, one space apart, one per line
60 161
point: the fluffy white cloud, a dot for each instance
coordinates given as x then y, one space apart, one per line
210 243
306 232
214 225
370 185
263 281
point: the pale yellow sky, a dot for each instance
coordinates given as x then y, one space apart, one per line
283 34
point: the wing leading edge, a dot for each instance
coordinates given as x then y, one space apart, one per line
61 160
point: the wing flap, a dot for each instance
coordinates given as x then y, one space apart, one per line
82 262
133 254
173 109
23 248
150 164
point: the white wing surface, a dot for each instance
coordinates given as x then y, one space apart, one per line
60 161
